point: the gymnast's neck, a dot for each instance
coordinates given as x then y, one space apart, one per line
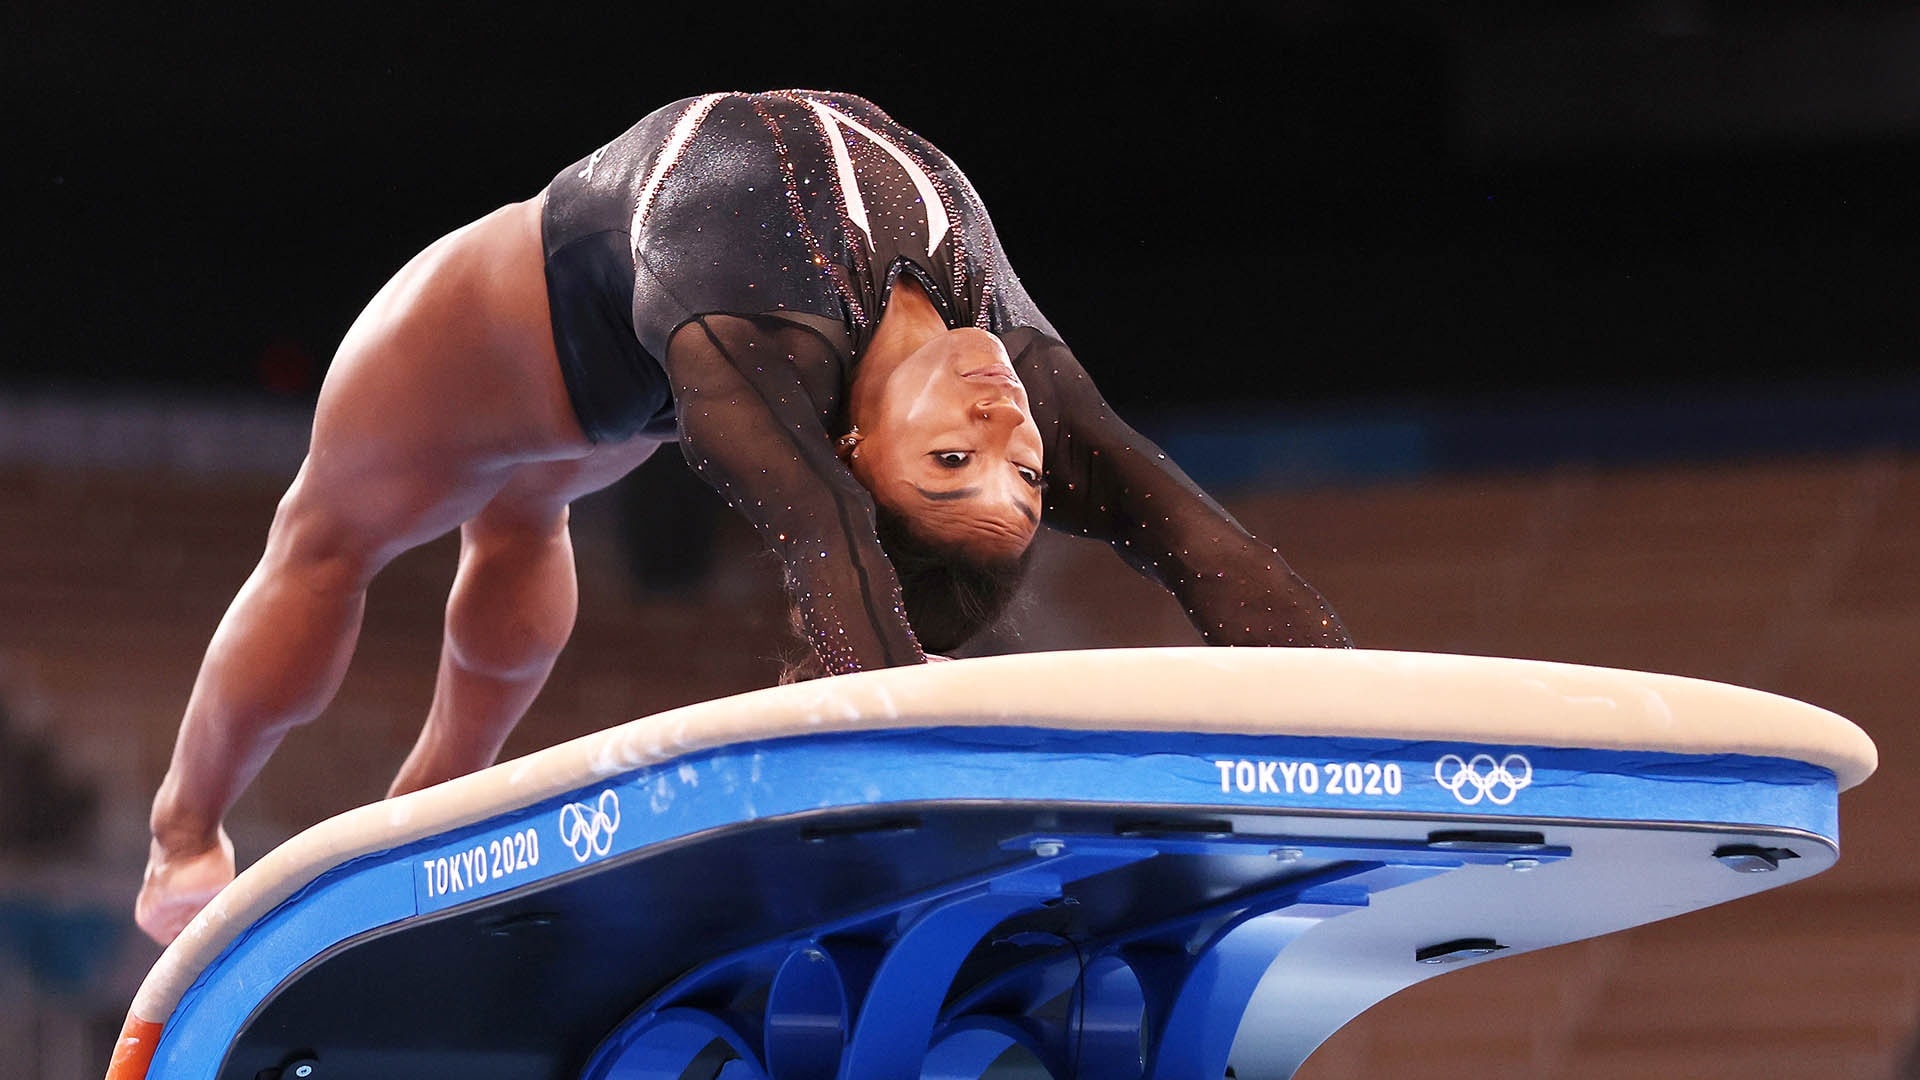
909 321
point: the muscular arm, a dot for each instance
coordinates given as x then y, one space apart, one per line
749 428
1106 481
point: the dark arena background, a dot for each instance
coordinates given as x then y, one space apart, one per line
1577 331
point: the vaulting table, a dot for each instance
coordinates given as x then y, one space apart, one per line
1137 863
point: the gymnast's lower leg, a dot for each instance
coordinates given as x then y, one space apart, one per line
275 662
512 608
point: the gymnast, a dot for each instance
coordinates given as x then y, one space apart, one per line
812 301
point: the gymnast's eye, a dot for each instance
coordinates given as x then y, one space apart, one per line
952 459
1031 476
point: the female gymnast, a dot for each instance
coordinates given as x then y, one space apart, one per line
812 301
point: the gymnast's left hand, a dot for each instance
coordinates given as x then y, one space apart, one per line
179 884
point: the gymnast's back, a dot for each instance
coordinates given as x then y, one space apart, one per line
788 203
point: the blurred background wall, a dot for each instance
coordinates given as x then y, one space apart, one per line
1579 333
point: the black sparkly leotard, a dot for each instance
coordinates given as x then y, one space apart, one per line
715 273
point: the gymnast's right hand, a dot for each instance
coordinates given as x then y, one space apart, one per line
179 884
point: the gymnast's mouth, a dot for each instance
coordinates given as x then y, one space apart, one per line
1000 373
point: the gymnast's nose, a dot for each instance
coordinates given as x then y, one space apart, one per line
1001 408
1001 411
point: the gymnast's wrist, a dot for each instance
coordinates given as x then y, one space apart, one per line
178 833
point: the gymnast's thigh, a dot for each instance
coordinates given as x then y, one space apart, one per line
446 386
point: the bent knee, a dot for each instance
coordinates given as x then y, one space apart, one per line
317 539
351 520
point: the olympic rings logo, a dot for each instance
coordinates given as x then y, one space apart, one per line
1482 777
587 828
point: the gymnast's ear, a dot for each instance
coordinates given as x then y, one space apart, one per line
848 446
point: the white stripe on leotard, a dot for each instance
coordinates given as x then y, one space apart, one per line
669 156
831 119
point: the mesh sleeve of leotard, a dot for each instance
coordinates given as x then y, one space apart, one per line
1107 481
748 426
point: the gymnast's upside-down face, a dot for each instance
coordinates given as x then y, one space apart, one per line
947 440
